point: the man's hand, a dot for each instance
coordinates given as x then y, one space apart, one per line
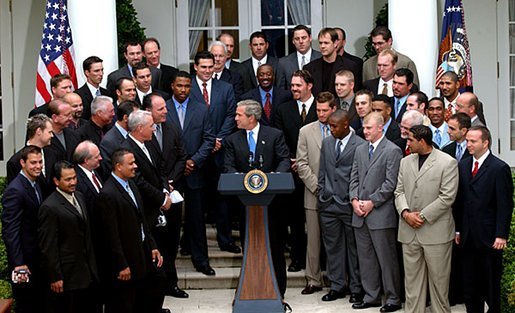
190 166
357 208
293 165
157 258
22 278
499 243
366 206
218 144
167 204
457 238
413 219
57 286
125 274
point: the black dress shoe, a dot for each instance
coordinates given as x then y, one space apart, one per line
206 270
295 267
356 297
165 310
177 292
365 305
184 252
231 248
310 289
333 295
390 308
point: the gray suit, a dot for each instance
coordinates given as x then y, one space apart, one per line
336 214
290 64
370 67
375 180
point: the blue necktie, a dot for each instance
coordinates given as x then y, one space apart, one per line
397 107
370 152
252 144
438 137
459 151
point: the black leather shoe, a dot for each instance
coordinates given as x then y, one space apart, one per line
356 297
165 310
310 289
365 305
231 248
206 270
390 308
184 252
177 292
295 267
333 295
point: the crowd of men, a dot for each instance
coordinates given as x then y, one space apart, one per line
396 197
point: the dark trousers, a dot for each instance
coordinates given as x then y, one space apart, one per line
295 217
30 297
75 301
194 227
456 280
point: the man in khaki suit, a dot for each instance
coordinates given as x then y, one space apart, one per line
426 189
308 162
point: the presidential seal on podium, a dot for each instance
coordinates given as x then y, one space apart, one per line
255 181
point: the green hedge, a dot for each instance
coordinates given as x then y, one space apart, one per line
508 278
5 286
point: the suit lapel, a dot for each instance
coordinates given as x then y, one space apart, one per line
428 164
482 169
317 134
377 151
30 191
348 148
68 206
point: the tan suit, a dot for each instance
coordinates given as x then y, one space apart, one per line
427 250
308 163
370 67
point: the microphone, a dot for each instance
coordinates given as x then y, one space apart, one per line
260 161
251 158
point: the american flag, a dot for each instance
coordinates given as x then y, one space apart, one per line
454 46
56 55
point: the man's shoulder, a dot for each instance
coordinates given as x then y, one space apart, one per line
371 60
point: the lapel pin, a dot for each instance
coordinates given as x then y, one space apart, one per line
262 142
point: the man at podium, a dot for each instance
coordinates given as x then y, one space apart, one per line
262 147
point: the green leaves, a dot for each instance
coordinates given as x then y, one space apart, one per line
128 26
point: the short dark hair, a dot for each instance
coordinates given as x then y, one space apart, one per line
463 120
117 156
30 149
452 75
382 98
130 43
421 97
340 114
59 166
485 134
305 75
383 31
57 79
151 39
182 74
53 107
120 81
125 108
435 99
147 100
329 31
258 34
344 35
301 27
367 92
36 122
138 67
422 132
86 65
406 72
204 55
326 96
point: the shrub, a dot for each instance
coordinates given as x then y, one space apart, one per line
508 277
5 286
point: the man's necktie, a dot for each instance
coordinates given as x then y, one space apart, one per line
407 151
448 112
38 195
344 105
216 76
77 206
438 137
385 89
397 107
95 181
303 113
370 152
302 61
205 94
98 93
338 148
459 152
131 194
326 131
267 108
476 168
181 114
252 144
159 136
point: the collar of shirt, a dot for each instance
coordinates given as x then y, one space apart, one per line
142 94
443 134
307 56
472 119
208 85
349 100
481 160
121 181
177 104
263 94
386 125
308 104
401 101
255 132
453 102
255 63
67 196
228 63
375 144
121 130
139 143
130 70
463 145
390 87
89 174
344 141
92 89
219 73
32 182
322 128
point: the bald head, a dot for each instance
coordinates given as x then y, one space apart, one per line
75 102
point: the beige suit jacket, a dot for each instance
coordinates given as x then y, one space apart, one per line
370 67
308 161
432 191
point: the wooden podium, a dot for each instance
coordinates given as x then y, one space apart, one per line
257 288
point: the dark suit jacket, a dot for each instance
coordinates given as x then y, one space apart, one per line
167 76
65 241
288 119
353 114
111 141
20 223
270 144
124 72
42 109
484 203
123 223
355 59
288 65
393 132
233 78
87 97
450 149
72 140
247 72
235 66
85 186
163 94
198 137
315 68
373 85
91 131
278 96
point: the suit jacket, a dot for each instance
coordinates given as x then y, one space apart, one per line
270 144
431 191
278 96
375 180
124 72
335 174
91 131
65 242
484 203
477 122
72 140
373 86
87 98
393 132
353 114
197 135
20 223
123 223
288 65
85 186
370 67
315 68
450 149
247 72
234 78
353 58
287 118
167 76
42 109
111 141
235 66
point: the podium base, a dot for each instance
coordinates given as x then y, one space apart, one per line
258 306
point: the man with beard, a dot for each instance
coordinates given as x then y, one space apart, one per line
75 102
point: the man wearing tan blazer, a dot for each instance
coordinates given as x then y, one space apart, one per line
308 162
426 188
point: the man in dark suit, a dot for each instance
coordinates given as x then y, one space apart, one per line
60 84
381 105
143 79
301 39
199 139
75 102
94 72
167 141
363 104
373 181
65 140
152 52
102 113
402 84
229 42
342 39
134 262
219 51
457 128
20 202
89 181
263 141
267 95
258 45
484 206
335 210
133 54
67 254
344 86
325 68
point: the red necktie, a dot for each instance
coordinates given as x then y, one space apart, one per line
95 181
407 151
268 106
448 112
476 168
204 93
